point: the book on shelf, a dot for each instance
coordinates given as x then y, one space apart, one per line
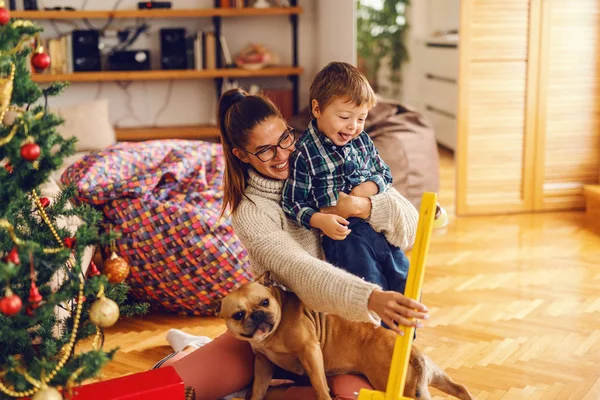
227 59
190 52
60 51
199 50
210 50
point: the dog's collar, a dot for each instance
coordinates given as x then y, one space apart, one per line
280 286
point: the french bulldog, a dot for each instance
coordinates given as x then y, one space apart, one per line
283 332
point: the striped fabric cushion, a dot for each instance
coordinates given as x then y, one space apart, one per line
165 198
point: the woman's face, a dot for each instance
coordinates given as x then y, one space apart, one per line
264 135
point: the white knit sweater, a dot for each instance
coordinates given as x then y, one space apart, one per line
294 255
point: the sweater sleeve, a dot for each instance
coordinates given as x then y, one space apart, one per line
320 285
394 216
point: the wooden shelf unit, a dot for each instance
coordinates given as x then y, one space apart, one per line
198 132
169 13
204 132
155 75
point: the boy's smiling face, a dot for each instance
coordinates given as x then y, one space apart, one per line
341 120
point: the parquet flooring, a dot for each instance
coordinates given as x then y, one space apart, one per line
515 307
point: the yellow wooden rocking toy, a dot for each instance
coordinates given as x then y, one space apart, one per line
414 282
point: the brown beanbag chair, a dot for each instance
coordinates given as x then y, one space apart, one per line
406 142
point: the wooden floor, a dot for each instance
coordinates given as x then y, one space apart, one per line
515 304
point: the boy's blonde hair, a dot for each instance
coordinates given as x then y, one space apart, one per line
339 79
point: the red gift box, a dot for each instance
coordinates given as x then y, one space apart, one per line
157 384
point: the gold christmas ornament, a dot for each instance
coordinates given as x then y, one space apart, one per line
116 268
6 89
47 393
104 312
11 116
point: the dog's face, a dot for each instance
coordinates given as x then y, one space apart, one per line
251 312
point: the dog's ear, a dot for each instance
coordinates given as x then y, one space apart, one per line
265 279
216 306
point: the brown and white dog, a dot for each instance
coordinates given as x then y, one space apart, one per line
283 332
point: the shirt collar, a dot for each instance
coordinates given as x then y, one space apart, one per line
319 137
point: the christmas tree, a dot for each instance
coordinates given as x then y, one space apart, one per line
39 357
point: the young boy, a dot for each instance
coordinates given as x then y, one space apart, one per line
335 155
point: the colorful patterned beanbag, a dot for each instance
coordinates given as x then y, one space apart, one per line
165 198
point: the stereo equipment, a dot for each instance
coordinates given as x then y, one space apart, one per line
129 60
151 5
173 48
30 5
86 53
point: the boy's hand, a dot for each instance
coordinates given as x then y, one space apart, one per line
365 189
331 225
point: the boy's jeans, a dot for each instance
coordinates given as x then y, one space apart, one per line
367 254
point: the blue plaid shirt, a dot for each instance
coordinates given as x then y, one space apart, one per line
319 170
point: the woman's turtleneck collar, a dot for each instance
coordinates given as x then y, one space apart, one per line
271 187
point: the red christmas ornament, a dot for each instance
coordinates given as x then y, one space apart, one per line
34 295
4 16
92 270
9 168
30 151
70 242
45 202
10 303
13 257
40 61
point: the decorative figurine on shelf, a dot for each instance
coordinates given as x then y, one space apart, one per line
256 56
261 4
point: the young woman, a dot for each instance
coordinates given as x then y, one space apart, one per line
257 145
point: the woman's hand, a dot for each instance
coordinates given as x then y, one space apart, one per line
350 206
397 310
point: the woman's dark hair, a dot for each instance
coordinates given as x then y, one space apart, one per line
239 113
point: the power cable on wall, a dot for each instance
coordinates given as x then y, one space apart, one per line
129 105
166 103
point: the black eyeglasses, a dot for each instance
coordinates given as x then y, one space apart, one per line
268 153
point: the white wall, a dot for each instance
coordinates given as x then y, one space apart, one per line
336 28
194 101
